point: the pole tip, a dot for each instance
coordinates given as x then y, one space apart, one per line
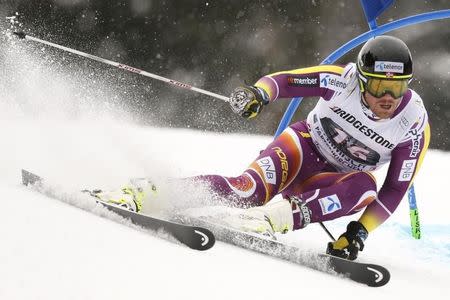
20 34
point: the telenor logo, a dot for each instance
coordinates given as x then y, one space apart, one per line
388 66
331 81
330 204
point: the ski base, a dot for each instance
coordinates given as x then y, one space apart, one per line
195 237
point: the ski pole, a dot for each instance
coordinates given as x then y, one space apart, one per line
327 231
414 213
22 35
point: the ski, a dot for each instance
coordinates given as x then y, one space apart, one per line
195 237
201 235
370 274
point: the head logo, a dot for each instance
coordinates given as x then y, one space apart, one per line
203 237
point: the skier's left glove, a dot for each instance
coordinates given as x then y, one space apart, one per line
248 101
350 242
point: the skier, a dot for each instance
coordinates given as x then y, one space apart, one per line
366 117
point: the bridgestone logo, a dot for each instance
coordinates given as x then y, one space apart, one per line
363 128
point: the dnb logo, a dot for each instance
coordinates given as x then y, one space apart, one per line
407 171
268 169
330 204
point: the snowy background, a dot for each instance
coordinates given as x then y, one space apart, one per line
218 45
67 129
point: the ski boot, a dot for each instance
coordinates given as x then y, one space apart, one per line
130 197
279 216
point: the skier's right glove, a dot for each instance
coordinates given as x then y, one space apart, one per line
248 101
350 242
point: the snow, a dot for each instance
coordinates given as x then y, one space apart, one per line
51 250
50 124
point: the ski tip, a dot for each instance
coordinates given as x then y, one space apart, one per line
20 34
369 274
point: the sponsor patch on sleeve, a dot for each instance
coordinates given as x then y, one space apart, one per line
332 82
303 81
268 168
330 204
407 170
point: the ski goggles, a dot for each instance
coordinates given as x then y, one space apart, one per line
378 87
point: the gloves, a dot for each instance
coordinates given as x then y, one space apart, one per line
248 101
350 242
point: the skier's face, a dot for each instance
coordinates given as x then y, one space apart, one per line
383 107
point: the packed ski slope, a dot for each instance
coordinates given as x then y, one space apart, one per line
51 250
